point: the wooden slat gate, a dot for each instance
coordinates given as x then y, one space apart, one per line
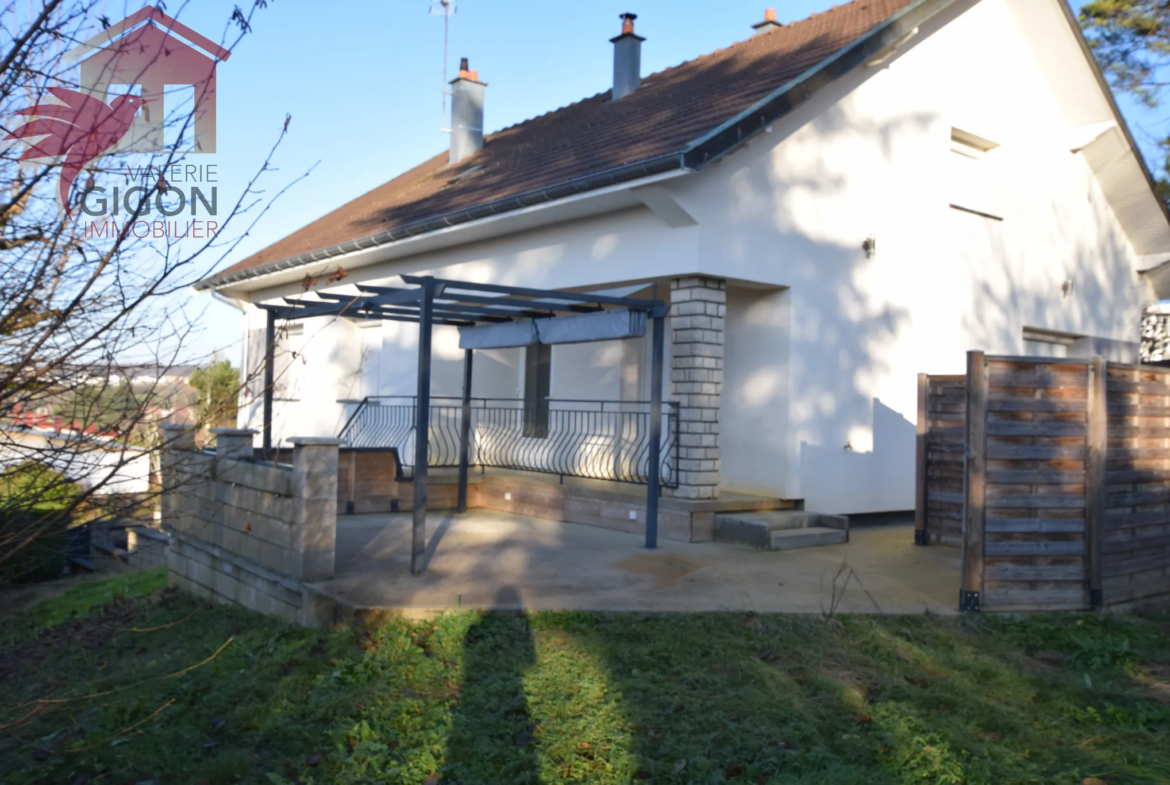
1028 495
1052 475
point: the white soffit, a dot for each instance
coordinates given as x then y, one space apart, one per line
1124 184
664 205
1057 52
620 291
1159 280
1068 69
584 205
1080 138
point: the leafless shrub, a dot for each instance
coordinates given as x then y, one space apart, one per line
86 318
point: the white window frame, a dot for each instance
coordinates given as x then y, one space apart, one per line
1052 338
973 181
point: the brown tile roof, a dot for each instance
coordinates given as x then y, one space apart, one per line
669 111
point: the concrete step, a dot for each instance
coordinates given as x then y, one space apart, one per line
791 539
758 529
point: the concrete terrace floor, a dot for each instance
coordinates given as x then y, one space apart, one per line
480 556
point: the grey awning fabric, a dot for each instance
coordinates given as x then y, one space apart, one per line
603 326
579 328
497 336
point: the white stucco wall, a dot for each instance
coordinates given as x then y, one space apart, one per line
877 162
756 414
823 342
322 367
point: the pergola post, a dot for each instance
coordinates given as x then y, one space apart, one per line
652 481
428 301
465 432
422 424
269 380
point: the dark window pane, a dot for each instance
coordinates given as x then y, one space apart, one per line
537 386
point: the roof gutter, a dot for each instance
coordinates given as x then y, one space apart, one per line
552 193
697 154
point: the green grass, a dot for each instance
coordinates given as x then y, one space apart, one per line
223 695
79 600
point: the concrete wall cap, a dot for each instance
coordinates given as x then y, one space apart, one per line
234 432
314 441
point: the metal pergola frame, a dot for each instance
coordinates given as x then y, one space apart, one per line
427 301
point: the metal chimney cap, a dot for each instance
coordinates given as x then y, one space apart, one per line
466 74
627 27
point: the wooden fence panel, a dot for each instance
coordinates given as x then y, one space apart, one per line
1037 431
1135 557
1060 493
941 419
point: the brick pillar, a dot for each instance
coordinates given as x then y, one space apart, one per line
697 310
314 489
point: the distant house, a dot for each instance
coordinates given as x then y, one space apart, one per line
831 206
98 463
103 374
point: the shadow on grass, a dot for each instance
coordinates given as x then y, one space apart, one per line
706 698
607 699
493 735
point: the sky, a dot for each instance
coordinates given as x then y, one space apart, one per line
362 81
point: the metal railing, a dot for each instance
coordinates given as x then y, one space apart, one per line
602 440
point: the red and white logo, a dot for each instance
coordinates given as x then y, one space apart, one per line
145 52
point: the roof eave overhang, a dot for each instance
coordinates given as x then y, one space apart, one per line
882 39
1159 280
625 176
1122 128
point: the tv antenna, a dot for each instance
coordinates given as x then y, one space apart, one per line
445 9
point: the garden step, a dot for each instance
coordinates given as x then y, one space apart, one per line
791 539
757 529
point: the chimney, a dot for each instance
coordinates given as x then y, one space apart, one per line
627 59
769 24
466 114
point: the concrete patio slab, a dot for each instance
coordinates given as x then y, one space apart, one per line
565 566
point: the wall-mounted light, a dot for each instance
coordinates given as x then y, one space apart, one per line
1066 288
869 245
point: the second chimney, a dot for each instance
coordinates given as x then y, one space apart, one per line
769 24
466 114
627 59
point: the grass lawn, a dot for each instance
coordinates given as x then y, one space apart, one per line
125 681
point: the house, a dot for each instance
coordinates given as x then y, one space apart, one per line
830 207
100 463
145 50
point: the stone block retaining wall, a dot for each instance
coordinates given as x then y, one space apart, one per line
248 532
